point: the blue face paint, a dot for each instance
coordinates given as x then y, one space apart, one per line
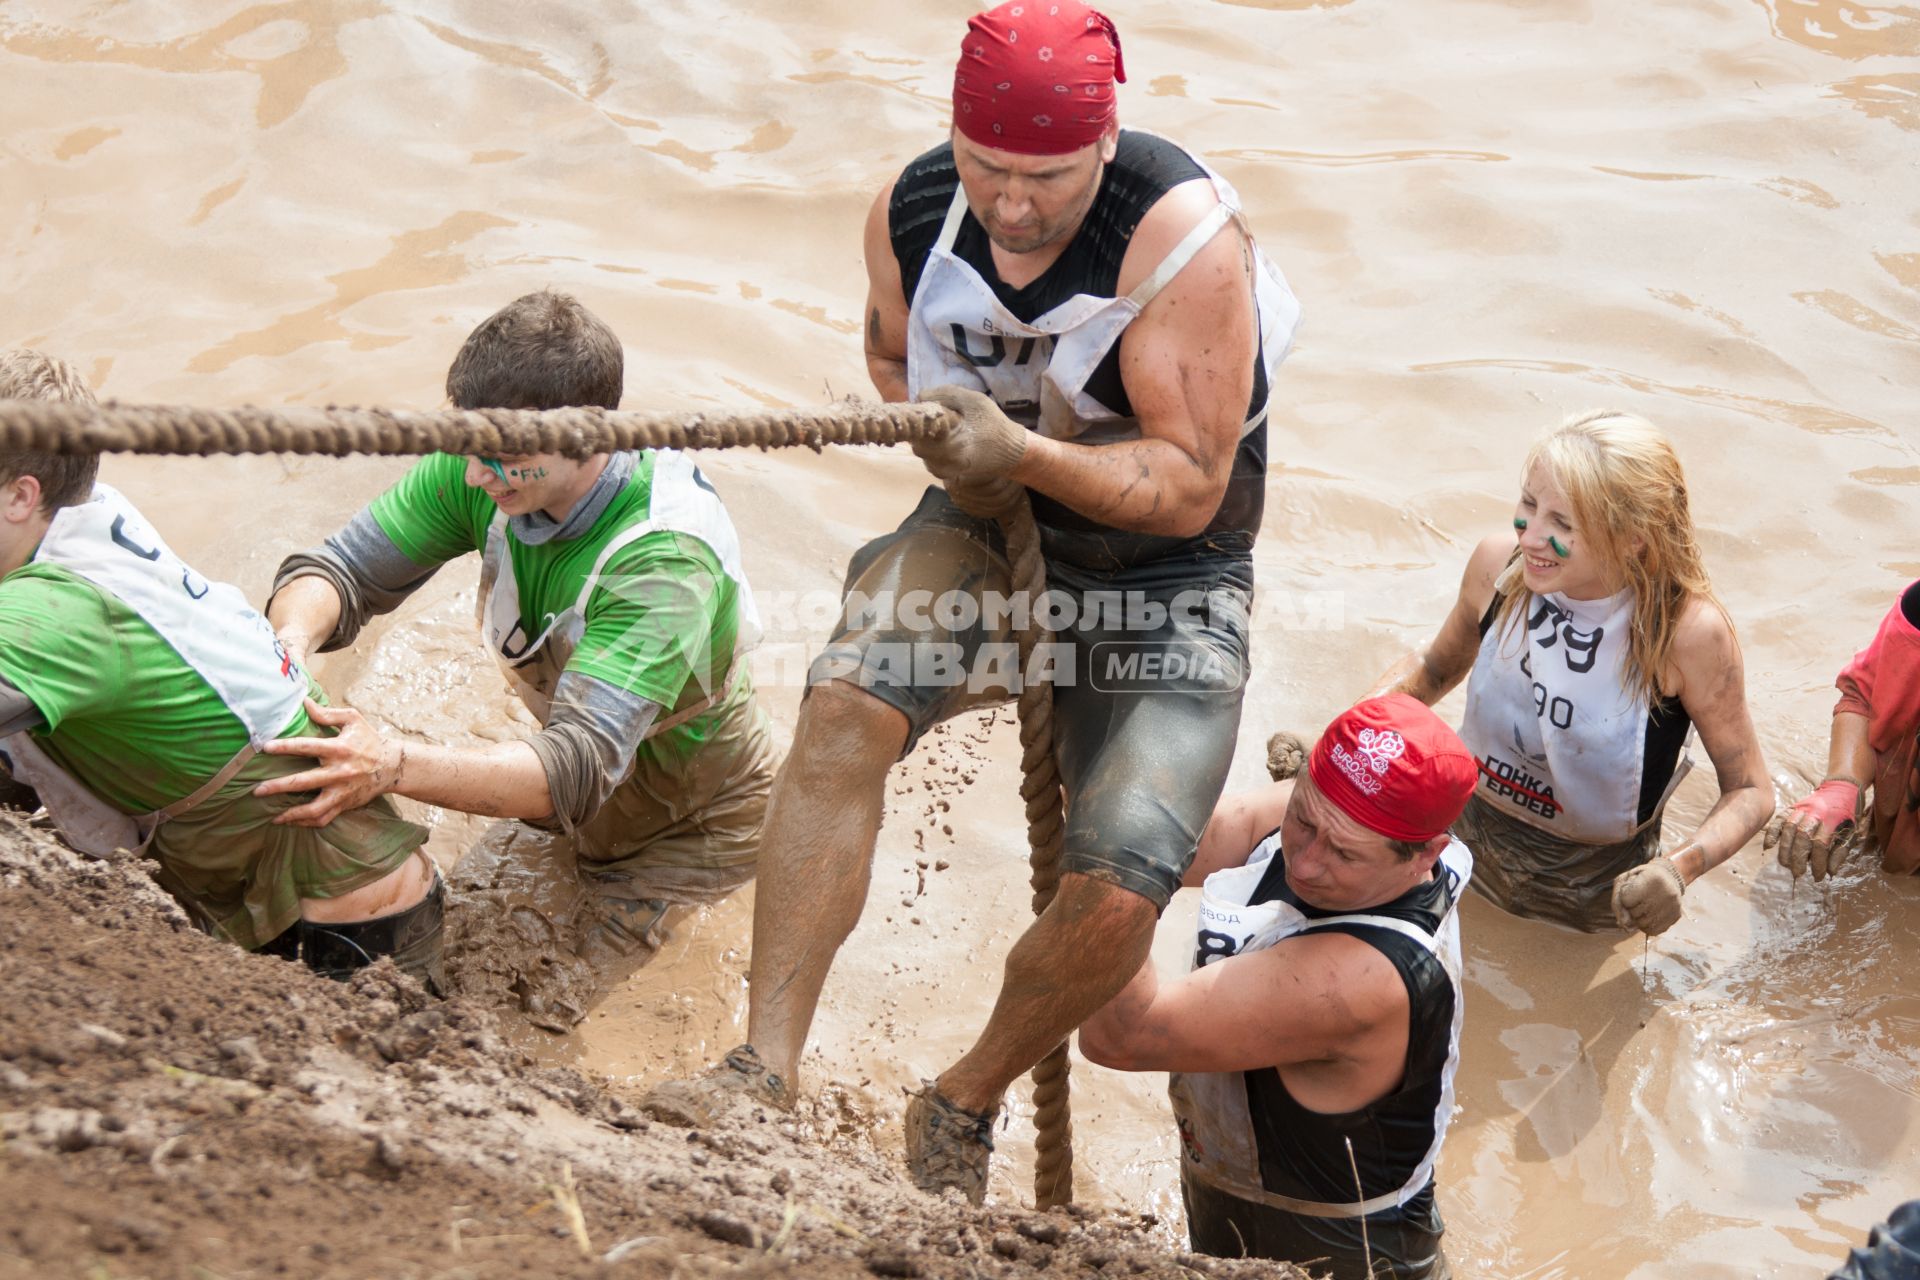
1520 523
493 465
1559 547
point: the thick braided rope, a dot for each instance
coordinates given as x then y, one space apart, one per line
57 427
1040 789
53 427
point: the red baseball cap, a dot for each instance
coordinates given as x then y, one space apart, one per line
1394 767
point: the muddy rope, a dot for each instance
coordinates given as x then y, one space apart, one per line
55 427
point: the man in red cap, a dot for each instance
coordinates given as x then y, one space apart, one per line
1313 1046
1089 304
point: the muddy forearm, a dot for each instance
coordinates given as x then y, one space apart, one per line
304 609
1110 1036
1143 486
1849 755
365 574
1414 676
503 781
1735 819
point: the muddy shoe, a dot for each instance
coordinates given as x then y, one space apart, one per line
948 1146
740 1078
627 925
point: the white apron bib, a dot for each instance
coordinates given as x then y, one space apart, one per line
106 542
1216 1126
1560 737
959 332
680 502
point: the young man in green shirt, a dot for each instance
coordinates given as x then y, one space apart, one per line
612 596
136 699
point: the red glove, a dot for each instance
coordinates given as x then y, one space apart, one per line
1818 831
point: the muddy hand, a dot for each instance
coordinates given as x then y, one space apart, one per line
1647 898
357 765
1815 834
985 444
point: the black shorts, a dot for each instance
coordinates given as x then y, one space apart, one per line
1149 667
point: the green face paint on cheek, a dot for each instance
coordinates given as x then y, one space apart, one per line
1520 523
493 465
1559 547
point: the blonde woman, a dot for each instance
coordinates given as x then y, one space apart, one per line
1593 644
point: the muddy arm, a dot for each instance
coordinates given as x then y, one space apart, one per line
368 575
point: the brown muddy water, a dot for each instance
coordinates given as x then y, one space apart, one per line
1495 212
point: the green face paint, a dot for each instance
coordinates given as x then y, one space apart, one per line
1520 523
1559 547
493 465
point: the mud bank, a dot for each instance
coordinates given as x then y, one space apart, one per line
172 1107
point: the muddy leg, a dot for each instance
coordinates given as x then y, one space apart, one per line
1074 958
816 860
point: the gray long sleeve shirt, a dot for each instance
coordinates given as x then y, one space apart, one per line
587 745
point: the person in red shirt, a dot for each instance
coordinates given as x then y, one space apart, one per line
1876 725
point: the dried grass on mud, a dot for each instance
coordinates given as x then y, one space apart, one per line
172 1107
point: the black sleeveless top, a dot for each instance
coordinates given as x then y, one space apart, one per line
1144 168
1303 1153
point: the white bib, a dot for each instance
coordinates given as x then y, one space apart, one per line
680 501
959 332
1216 1125
108 543
1560 738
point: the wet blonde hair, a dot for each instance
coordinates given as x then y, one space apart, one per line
1625 483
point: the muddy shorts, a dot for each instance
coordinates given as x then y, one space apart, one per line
1528 872
1149 668
686 825
242 878
1401 1244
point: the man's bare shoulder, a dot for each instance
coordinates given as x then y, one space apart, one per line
1163 227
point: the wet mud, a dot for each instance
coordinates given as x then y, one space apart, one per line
173 1107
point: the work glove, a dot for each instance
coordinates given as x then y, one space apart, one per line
1647 898
988 499
984 445
1818 832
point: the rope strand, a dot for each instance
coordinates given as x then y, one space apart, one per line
46 426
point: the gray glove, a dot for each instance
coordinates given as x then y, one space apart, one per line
1647 898
985 444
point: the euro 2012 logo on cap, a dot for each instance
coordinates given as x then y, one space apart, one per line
1381 748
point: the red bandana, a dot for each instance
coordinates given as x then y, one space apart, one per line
1036 77
1395 768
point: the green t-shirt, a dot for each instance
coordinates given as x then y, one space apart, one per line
135 724
126 715
662 619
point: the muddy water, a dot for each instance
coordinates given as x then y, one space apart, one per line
1495 212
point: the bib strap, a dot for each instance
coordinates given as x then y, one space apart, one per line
1195 240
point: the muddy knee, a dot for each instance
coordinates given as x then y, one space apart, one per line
845 726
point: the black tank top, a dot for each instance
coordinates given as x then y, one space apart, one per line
1144 168
1303 1153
